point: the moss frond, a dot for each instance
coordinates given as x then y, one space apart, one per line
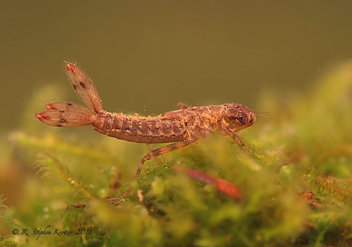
295 186
3 207
50 166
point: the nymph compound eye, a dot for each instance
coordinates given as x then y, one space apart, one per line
242 119
239 116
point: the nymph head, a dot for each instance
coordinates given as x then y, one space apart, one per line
239 116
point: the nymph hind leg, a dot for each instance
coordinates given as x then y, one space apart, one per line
161 151
156 153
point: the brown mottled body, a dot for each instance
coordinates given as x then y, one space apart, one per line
182 127
190 123
139 129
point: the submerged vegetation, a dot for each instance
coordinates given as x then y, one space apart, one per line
295 188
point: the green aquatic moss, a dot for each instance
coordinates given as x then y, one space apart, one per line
295 186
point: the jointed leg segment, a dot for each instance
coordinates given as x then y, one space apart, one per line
182 105
156 153
233 135
161 151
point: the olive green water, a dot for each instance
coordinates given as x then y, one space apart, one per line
145 57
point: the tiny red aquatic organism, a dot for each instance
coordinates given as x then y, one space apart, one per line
222 185
180 127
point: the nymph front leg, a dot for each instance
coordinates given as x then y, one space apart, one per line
235 137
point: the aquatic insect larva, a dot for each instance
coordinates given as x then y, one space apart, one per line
181 127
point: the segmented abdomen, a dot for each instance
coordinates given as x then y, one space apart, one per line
139 129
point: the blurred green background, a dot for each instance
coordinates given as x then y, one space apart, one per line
146 56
